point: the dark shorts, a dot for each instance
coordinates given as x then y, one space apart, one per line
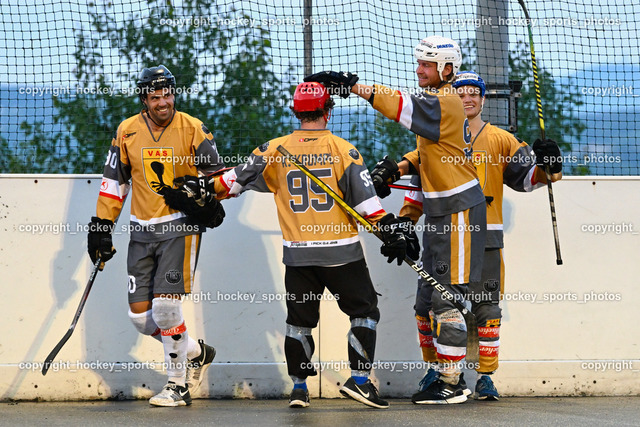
453 246
350 284
166 267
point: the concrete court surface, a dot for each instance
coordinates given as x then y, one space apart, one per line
514 411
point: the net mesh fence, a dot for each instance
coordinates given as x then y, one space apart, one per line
68 71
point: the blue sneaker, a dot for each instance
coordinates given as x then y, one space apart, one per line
485 390
428 378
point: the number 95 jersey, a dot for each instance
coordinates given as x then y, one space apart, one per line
316 230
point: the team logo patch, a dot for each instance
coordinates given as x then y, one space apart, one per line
205 130
491 285
442 268
158 167
263 147
354 154
173 277
480 162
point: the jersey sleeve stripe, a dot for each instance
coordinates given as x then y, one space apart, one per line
400 105
459 189
413 201
227 179
369 207
530 182
381 211
112 189
405 110
112 196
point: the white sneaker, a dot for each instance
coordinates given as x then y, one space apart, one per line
172 395
197 367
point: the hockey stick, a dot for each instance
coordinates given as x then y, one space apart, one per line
469 318
536 84
65 338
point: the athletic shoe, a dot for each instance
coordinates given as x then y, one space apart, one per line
172 395
463 384
197 367
432 376
428 378
485 390
299 398
366 393
440 392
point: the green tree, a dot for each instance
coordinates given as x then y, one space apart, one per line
223 75
39 152
559 102
376 136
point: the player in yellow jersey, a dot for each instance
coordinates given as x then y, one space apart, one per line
147 152
499 159
455 224
321 243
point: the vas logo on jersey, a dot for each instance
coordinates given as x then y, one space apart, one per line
158 167
480 162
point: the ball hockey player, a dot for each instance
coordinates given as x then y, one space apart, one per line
314 261
147 152
499 159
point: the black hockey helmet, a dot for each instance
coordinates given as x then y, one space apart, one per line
154 78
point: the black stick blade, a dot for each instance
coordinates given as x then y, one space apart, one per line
54 352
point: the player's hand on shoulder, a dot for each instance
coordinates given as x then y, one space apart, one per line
395 244
337 83
99 241
385 172
548 154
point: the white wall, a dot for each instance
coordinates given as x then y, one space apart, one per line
566 347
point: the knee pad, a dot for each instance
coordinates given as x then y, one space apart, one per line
144 323
488 315
298 349
451 318
367 336
167 312
303 335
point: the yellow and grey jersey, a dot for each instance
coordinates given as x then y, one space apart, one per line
499 159
443 154
315 230
138 161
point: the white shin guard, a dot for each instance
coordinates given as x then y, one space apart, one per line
167 314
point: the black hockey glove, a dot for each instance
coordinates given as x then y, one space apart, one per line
385 170
99 242
195 197
548 154
337 83
395 245
409 230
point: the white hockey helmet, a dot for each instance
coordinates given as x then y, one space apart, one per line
441 50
